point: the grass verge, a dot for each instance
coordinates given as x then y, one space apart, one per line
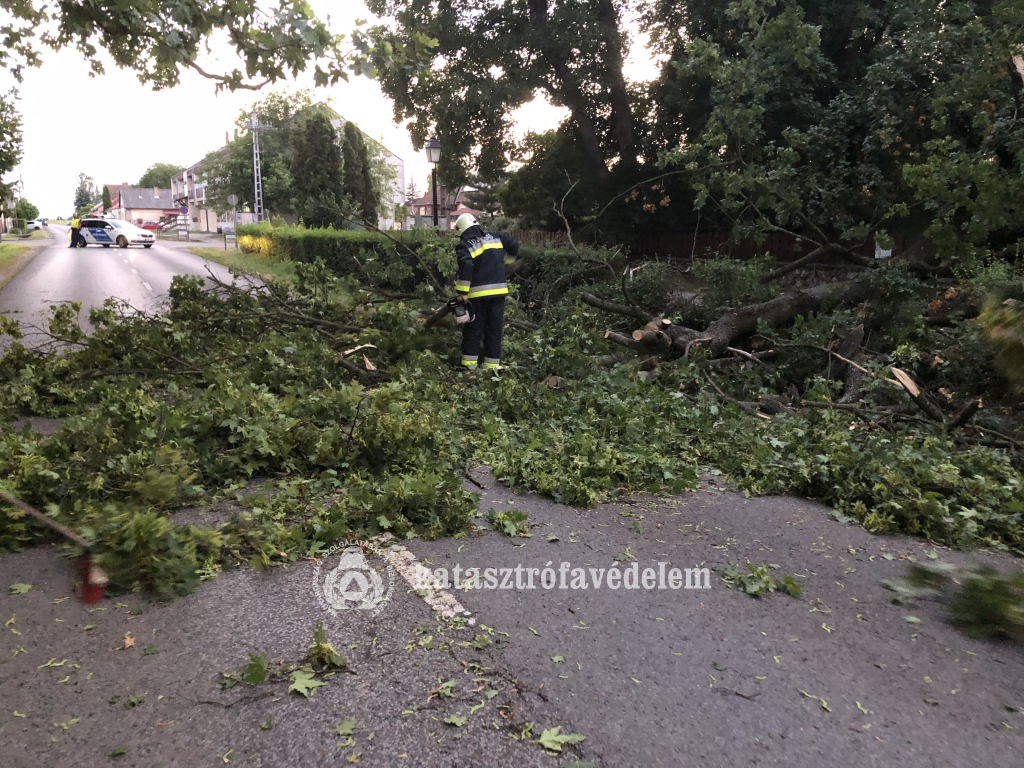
251 264
11 261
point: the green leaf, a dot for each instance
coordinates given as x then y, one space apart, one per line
911 619
552 739
255 671
20 589
304 683
457 720
558 659
346 727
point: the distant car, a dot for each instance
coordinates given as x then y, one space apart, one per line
151 225
107 232
34 224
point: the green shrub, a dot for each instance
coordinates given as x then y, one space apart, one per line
400 263
733 282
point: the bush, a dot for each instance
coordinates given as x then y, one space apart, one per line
733 282
398 266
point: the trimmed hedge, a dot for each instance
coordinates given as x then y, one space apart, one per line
389 264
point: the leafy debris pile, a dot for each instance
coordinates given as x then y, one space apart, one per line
333 409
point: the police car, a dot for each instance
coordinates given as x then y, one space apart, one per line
108 232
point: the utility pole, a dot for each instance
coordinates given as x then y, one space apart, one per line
257 173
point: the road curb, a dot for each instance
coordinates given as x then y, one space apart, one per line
20 262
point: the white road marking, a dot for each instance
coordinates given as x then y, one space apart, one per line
148 286
125 260
421 579
135 271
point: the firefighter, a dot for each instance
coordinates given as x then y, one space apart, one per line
481 285
74 231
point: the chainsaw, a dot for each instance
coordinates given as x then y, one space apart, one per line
460 310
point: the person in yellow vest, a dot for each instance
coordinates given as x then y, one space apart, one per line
481 285
75 222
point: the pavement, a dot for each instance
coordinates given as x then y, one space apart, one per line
59 274
647 676
650 677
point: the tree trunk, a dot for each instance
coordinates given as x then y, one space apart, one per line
782 309
653 340
851 384
618 309
837 368
568 92
618 93
817 254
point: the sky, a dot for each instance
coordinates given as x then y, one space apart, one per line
112 127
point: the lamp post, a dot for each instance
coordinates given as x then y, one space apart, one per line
433 148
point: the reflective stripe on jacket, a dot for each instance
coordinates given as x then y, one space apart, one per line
481 257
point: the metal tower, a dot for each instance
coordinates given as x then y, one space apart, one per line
257 172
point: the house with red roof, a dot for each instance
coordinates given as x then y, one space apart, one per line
449 208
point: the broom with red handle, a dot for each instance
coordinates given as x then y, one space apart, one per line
94 580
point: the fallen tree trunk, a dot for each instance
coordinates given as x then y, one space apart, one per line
736 322
523 325
848 349
781 309
851 383
816 255
618 309
653 340
439 314
625 341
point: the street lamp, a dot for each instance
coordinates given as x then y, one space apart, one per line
433 148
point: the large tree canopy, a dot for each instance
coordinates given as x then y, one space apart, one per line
229 171
160 175
847 123
841 122
288 150
495 55
10 140
86 194
23 209
158 39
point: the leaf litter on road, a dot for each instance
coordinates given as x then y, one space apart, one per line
552 739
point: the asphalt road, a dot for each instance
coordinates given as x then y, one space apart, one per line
90 275
650 677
